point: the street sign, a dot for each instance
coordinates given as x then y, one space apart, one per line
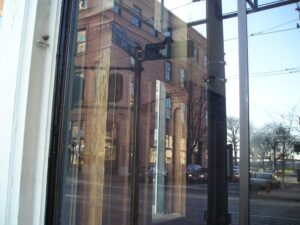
121 39
168 50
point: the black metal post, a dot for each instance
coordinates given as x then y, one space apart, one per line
134 213
217 211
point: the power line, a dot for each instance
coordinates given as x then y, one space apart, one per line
271 32
288 71
276 71
271 28
178 7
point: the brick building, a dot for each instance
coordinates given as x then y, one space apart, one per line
173 102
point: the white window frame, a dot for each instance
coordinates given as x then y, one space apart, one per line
27 91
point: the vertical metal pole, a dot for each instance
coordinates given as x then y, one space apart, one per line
159 183
217 213
244 113
134 211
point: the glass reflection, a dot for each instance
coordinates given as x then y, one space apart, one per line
137 141
274 116
103 168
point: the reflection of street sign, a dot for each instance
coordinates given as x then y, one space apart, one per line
120 38
167 50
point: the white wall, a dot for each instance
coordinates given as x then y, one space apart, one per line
26 90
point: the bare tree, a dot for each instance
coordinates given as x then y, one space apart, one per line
286 142
274 142
259 146
233 130
197 130
271 143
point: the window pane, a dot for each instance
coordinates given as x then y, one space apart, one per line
274 115
83 4
124 156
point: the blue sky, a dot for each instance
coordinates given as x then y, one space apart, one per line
273 83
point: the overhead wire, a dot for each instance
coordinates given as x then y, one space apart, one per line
288 71
178 7
271 32
280 25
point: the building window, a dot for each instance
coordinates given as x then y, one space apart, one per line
116 8
131 92
196 55
136 19
82 4
152 30
181 77
168 107
81 41
168 71
78 89
205 60
168 33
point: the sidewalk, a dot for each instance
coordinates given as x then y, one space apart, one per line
291 191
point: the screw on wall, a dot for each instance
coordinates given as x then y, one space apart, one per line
43 42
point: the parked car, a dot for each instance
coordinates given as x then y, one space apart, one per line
236 173
263 180
195 173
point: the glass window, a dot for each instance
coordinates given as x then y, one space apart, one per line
168 107
182 77
117 7
168 71
83 4
81 41
136 16
140 146
168 32
152 30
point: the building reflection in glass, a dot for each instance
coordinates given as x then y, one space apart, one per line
99 153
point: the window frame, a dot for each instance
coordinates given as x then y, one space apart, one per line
182 77
81 42
168 107
136 16
117 7
82 4
168 75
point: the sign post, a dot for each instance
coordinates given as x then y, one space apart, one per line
169 49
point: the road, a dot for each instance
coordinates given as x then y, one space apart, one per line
116 203
263 211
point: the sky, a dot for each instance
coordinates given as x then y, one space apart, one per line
274 65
